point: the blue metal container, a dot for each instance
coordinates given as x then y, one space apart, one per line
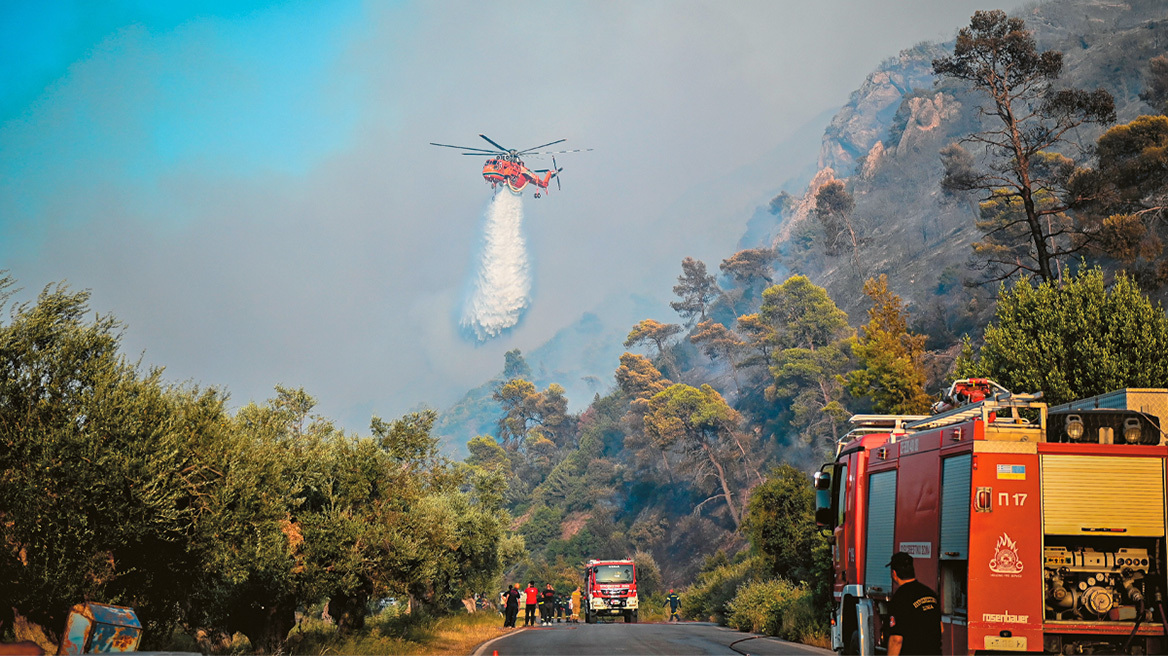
100 629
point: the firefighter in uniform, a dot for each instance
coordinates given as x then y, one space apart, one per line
916 613
674 603
574 605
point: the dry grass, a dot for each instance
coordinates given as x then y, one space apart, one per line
462 633
456 634
817 640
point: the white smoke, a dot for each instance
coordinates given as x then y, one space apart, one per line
502 283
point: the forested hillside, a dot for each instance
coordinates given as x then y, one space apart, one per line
859 296
957 226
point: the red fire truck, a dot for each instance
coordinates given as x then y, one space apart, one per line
610 588
1041 529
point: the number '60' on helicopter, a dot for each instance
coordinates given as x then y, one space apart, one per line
504 166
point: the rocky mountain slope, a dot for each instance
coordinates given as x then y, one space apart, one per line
885 144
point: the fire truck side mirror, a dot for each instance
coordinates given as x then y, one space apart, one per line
822 482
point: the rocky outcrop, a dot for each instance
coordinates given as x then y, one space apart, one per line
804 206
925 114
865 119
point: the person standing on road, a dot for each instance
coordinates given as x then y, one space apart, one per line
916 614
512 605
674 602
532 598
547 605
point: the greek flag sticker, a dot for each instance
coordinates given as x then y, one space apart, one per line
1012 472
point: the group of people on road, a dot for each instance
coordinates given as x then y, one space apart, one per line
915 618
551 606
554 607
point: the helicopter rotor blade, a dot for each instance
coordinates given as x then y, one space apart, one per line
506 150
482 150
557 176
534 148
557 152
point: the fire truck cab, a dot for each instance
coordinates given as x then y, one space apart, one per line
1042 530
610 588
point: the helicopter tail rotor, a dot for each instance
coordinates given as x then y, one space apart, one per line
557 169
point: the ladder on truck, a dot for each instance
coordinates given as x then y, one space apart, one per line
1002 408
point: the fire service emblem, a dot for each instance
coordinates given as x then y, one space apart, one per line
1005 559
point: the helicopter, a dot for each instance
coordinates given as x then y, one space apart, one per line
504 166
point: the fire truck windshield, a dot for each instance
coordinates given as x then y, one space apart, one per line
614 574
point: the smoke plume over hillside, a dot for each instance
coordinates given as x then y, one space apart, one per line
502 284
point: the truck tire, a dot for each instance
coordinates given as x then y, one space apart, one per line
634 617
853 646
628 617
589 618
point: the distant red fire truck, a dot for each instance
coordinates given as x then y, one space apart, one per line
1042 530
610 588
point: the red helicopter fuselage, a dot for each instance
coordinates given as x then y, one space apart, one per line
500 170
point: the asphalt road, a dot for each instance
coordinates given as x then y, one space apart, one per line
679 638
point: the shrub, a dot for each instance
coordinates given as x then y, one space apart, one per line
776 607
707 599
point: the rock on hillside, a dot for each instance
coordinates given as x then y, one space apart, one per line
885 145
864 120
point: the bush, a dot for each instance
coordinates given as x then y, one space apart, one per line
649 581
707 599
776 607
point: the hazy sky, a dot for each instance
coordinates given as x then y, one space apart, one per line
248 186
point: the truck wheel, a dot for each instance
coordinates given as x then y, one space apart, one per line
853 646
589 618
634 617
628 617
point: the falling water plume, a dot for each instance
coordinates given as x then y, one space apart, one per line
502 282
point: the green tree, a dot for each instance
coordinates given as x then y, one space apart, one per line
515 366
891 358
800 314
98 487
834 207
780 523
780 203
998 57
701 428
1156 93
719 342
529 412
696 289
1128 196
1074 340
809 355
639 381
485 452
649 331
749 265
750 269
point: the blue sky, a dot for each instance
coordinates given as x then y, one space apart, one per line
250 189
142 89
